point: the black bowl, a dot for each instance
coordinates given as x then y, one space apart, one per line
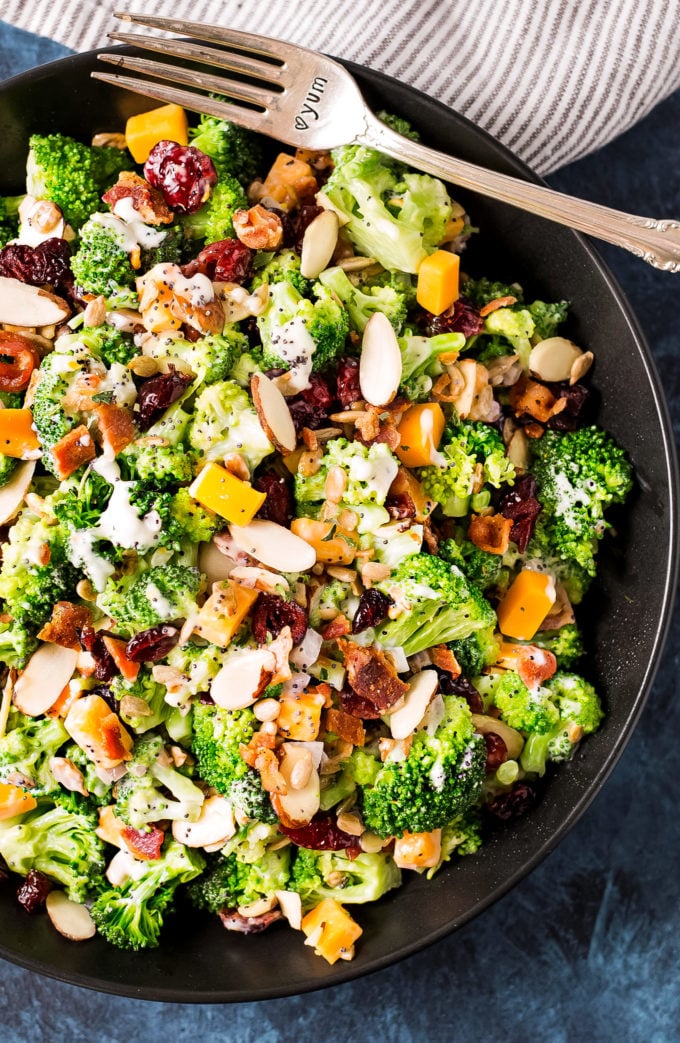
626 616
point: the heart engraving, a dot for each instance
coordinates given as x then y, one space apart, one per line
301 124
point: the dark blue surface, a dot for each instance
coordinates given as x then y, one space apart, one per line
587 947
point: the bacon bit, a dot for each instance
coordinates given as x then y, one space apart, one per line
491 533
72 451
116 649
63 704
338 627
533 430
531 398
115 427
346 726
388 435
535 665
406 485
262 740
110 735
372 676
146 200
444 658
67 619
499 302
145 845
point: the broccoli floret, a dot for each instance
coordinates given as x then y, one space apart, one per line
317 875
58 842
444 606
99 792
215 219
151 692
80 504
100 264
160 464
49 417
17 644
217 737
482 291
71 174
475 652
238 880
141 794
580 713
463 448
30 591
370 472
226 422
580 474
26 749
169 248
283 266
440 778
235 151
516 326
9 218
184 522
462 836
396 217
547 317
161 594
131 916
566 644
481 567
333 595
106 343
363 302
288 318
198 664
211 357
398 124
420 360
524 709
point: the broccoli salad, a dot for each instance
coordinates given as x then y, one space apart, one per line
298 516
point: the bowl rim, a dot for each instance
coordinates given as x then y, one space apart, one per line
351 971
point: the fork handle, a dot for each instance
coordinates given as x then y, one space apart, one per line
657 242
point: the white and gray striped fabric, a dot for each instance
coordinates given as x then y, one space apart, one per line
552 79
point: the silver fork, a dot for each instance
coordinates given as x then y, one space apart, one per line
307 100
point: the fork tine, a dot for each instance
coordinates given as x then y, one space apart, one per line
206 55
189 100
276 49
192 78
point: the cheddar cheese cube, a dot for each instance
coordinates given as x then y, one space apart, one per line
221 492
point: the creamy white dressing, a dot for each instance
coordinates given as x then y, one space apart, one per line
164 608
121 524
81 544
119 382
29 232
126 227
293 343
378 472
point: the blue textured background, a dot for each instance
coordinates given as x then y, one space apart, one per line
587 947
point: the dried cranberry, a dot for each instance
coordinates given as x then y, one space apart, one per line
271 614
373 606
157 393
576 397
310 408
521 798
449 685
206 698
148 646
93 642
400 505
323 834
520 505
496 752
34 890
306 215
286 223
227 260
47 264
348 382
183 174
461 317
278 507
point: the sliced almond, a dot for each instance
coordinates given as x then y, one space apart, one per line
13 493
518 450
512 738
552 359
580 366
274 545
24 305
273 411
213 563
70 918
47 673
68 775
290 904
406 719
297 807
318 243
259 579
380 364
215 825
242 678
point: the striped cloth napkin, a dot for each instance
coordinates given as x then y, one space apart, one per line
552 79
